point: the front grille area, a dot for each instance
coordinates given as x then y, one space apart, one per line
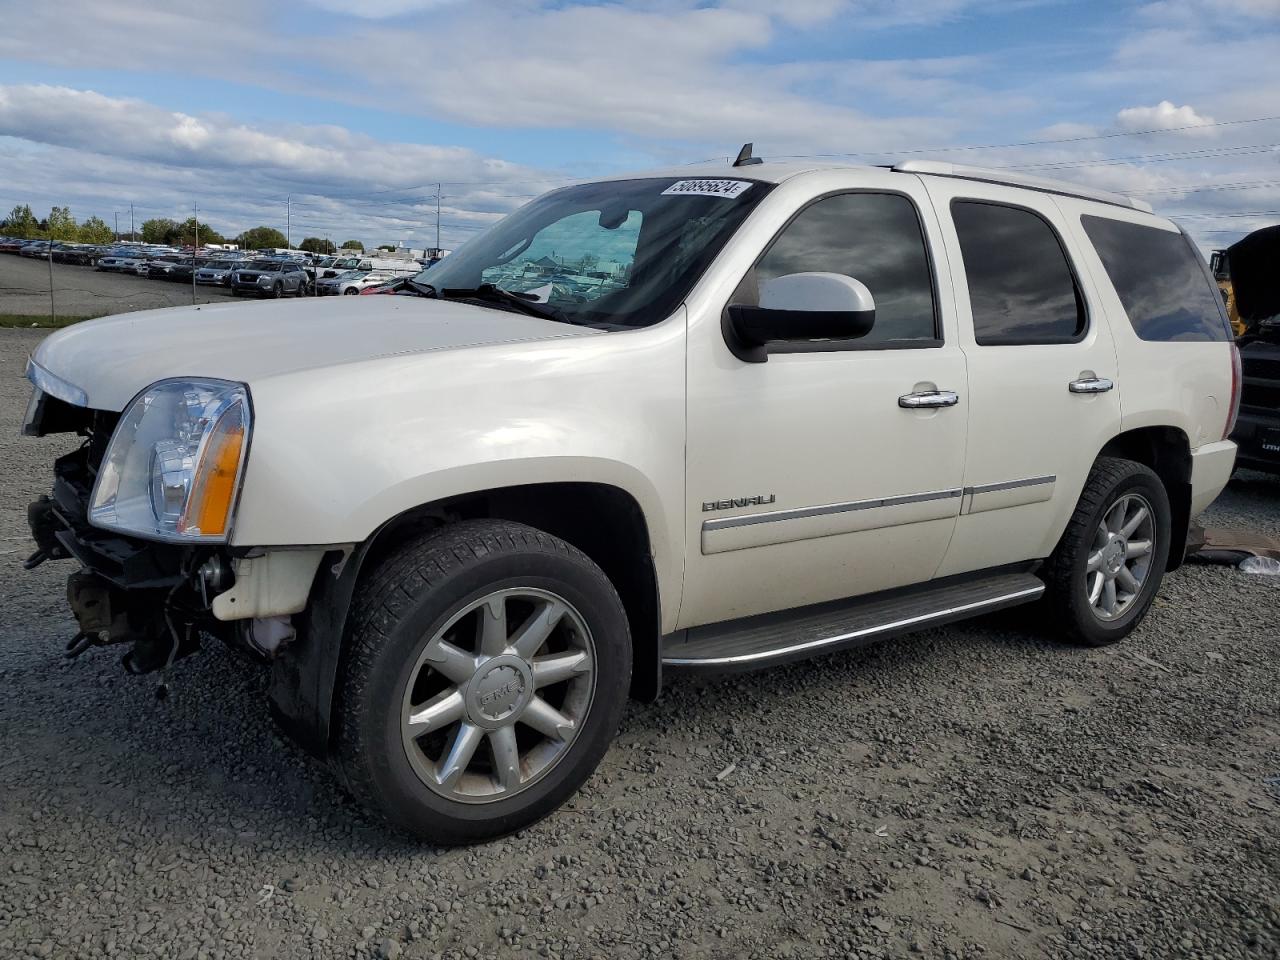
1259 395
1260 366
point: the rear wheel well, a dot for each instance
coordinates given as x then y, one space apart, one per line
1167 451
604 522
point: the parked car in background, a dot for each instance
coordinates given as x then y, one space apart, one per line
157 259
76 254
173 267
364 281
35 248
270 278
329 286
121 262
135 264
218 272
12 244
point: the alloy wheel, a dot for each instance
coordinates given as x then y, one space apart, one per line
1120 556
498 695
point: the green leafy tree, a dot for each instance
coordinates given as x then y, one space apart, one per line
350 245
21 223
386 246
62 225
258 238
185 234
95 230
158 230
316 245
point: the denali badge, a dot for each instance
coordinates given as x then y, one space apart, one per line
760 501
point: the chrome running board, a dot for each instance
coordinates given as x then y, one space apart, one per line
774 638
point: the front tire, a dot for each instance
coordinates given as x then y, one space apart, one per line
1107 568
487 670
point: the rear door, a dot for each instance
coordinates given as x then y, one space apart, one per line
1042 370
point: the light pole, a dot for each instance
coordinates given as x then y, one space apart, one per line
195 217
438 186
53 313
288 223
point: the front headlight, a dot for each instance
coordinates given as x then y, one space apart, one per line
173 467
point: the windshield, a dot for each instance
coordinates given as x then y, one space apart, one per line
621 253
265 265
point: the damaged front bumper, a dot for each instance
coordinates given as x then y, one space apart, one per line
163 599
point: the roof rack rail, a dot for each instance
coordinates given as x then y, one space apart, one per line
941 168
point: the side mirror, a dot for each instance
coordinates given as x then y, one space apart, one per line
798 308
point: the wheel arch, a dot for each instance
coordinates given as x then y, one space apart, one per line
1167 451
605 522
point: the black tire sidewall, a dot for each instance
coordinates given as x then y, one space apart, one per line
404 799
1092 630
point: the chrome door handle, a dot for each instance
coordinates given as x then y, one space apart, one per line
1090 385
929 398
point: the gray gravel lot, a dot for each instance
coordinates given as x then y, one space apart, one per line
83 291
974 791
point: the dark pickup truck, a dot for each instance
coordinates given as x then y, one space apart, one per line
1255 276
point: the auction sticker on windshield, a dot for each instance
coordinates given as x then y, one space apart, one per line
709 188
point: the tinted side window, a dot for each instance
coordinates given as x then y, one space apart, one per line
872 237
1020 284
1159 279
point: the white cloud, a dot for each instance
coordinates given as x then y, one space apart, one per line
88 148
637 82
1163 116
379 9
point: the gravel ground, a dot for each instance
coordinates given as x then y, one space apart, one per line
83 291
974 791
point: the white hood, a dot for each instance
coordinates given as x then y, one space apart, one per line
114 358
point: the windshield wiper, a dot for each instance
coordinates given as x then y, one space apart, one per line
487 291
423 289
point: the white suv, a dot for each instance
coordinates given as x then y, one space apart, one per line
693 420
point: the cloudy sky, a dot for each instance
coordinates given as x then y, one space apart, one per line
355 109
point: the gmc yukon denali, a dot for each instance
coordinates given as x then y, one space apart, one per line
705 419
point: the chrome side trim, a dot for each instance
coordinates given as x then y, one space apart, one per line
727 523
1009 485
55 386
1028 593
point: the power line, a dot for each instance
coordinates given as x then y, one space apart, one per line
1023 143
1202 187
1208 153
1241 214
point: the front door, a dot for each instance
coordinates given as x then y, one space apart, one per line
810 477
1042 371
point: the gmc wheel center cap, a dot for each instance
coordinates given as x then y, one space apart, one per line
1114 555
500 690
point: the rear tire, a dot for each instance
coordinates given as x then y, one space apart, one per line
449 725
1105 572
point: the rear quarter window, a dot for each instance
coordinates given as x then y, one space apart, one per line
1160 279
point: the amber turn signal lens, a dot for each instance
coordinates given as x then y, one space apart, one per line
209 508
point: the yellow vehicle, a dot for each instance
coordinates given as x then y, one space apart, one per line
1221 267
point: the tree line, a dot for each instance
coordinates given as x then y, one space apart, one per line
61 225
